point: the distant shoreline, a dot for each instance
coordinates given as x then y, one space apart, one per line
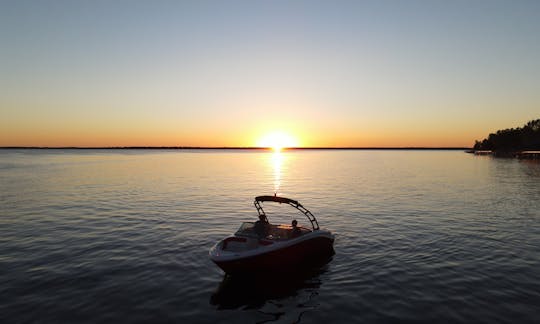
225 148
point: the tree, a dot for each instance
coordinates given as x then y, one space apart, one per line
513 139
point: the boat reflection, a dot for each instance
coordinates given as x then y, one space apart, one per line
254 291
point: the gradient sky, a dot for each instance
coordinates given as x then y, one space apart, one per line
225 73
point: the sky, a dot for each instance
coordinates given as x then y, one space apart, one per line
229 73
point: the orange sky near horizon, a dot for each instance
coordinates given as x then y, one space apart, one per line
119 134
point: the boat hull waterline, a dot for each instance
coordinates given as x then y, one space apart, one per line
286 257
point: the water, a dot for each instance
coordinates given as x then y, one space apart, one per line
123 236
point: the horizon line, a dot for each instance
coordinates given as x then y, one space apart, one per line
233 148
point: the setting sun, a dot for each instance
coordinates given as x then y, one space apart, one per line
277 141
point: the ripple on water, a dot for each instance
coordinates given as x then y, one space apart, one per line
420 236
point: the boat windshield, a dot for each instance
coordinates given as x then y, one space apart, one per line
246 229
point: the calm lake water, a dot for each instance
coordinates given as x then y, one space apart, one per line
123 236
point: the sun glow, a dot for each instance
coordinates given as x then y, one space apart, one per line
277 141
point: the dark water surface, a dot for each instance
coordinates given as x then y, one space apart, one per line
123 236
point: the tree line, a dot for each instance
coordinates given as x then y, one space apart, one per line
526 138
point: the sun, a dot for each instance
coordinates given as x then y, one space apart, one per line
277 141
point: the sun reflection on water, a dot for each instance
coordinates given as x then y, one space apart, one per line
277 160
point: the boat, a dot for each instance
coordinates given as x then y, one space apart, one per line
281 247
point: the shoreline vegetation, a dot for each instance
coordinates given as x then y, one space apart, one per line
521 142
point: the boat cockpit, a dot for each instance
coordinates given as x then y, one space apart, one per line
274 232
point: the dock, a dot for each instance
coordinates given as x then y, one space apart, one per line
483 152
528 155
